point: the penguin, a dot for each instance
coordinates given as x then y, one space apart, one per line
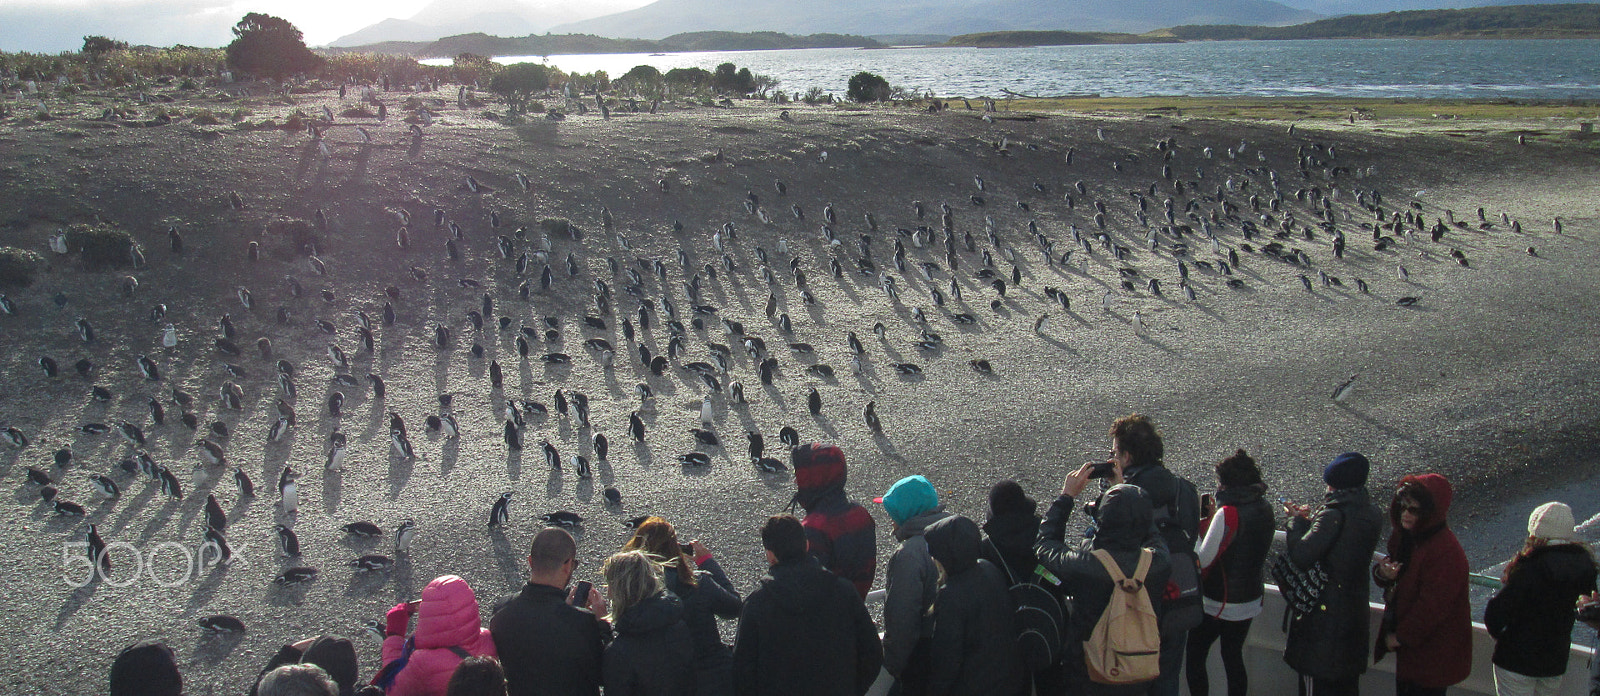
170 485
218 544
279 428
500 512
581 466
210 453
372 562
131 433
295 576
288 493
377 385
336 404
552 458
148 368
221 624
102 484
97 549
85 331
403 536
1342 392
242 481
448 426
789 436
364 530
336 451
758 444
870 413
215 518
67 508
512 438
601 446
48 364
562 518
695 459
636 427
288 541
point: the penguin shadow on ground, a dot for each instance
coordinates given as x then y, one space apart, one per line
366 583
132 506
159 519
400 469
332 488
506 559
775 395
583 490
448 455
514 464
206 589
554 483
886 447
358 173
826 424
290 595
210 649
80 596
1359 415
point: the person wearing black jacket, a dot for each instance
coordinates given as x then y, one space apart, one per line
1531 617
1010 530
804 631
706 593
548 646
974 646
1125 529
653 653
1331 645
1136 457
1238 534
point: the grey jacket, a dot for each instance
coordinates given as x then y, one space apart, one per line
1334 642
910 585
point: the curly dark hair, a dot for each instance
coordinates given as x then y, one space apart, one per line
1238 470
1138 437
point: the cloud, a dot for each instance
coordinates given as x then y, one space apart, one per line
61 26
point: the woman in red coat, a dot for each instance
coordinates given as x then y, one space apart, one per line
1427 622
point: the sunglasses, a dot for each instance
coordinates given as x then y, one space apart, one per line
1413 509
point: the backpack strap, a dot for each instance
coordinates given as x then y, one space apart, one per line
1110 564
460 652
1145 559
997 554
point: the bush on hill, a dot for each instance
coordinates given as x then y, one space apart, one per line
100 246
18 267
271 47
866 87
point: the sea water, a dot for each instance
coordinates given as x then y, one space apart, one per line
1397 68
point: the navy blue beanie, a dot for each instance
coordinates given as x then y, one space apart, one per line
1348 470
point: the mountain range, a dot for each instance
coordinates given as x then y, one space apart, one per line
662 18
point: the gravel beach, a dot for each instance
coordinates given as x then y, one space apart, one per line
1489 377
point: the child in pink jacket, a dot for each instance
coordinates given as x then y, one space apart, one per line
448 631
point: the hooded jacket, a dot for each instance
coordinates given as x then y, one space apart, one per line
1332 643
910 584
1008 543
712 597
1531 617
448 618
840 534
653 653
974 646
1125 527
1427 606
804 632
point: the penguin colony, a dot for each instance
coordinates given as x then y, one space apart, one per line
654 307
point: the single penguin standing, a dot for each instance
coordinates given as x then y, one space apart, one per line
287 492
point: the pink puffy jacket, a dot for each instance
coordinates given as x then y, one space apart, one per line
448 617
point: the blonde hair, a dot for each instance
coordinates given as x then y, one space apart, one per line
631 578
657 538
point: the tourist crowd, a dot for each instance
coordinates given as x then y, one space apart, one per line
1009 607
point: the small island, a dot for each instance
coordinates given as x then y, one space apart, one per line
1023 39
1566 21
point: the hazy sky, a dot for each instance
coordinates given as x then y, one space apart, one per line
60 25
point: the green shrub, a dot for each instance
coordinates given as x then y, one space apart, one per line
688 77
18 267
867 87
268 46
100 44
518 83
100 246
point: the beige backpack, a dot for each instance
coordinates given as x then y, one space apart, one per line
1125 647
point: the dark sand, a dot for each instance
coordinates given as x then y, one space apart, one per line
1489 378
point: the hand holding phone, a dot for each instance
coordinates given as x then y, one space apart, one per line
580 593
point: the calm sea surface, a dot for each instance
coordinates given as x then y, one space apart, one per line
1552 69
